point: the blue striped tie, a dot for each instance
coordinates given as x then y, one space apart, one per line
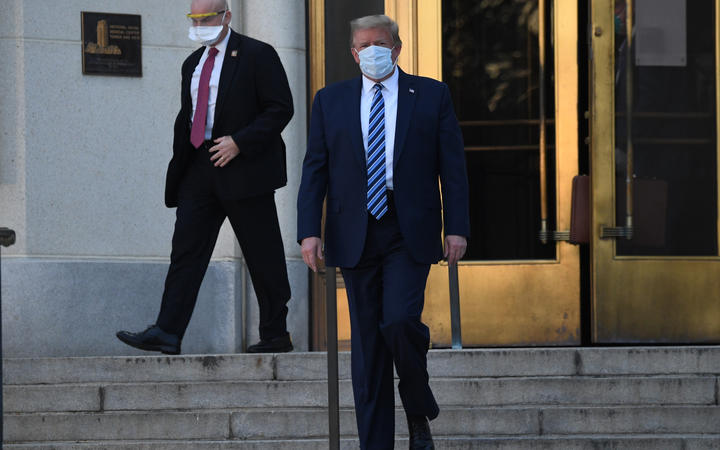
376 193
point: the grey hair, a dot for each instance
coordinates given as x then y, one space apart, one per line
377 21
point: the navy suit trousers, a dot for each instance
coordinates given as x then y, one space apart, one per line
386 297
202 208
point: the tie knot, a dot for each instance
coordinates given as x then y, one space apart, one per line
213 51
378 87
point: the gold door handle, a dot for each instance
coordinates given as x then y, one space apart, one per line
616 232
627 230
630 167
544 233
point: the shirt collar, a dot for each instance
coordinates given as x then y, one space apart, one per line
391 84
223 44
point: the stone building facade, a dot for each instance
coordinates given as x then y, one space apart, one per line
82 170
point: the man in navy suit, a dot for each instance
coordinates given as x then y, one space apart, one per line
228 159
378 145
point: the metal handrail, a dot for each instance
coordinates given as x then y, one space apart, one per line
7 238
454 306
332 359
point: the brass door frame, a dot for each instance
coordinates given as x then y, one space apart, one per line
639 299
524 302
316 72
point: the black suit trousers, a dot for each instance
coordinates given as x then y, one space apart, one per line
202 208
386 296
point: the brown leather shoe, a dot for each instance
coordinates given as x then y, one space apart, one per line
152 339
420 436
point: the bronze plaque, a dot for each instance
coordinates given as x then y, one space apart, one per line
111 44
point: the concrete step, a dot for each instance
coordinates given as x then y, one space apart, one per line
610 442
660 390
313 366
556 398
271 424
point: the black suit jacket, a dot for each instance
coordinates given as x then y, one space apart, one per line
253 106
428 148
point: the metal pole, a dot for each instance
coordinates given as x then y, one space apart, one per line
7 238
332 359
455 306
1 367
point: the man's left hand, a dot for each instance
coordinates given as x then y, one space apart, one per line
455 247
225 151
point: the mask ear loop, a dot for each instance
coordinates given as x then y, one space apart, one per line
396 59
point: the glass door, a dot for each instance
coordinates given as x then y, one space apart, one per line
654 164
512 70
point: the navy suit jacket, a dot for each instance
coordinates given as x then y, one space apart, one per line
428 148
253 106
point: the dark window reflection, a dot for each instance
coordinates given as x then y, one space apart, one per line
490 62
672 118
339 63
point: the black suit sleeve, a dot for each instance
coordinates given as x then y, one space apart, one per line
181 140
182 120
275 101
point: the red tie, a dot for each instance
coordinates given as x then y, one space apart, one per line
197 134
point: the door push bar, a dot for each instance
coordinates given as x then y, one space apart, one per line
547 235
617 232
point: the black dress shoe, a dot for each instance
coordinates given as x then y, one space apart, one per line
153 339
420 437
280 344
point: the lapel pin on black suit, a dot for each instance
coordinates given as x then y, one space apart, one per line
233 53
412 91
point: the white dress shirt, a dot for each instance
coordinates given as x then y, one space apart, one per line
214 82
390 97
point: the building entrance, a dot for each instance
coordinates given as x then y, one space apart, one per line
621 90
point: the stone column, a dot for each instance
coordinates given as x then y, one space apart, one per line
281 23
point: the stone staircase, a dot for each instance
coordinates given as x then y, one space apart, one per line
562 398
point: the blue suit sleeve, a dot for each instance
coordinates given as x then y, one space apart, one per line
453 173
314 181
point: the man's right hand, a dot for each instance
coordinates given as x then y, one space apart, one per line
311 251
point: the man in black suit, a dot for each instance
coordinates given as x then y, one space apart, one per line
228 159
377 147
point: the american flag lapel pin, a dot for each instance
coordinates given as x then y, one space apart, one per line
412 91
233 53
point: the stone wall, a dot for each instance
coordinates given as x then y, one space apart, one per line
82 170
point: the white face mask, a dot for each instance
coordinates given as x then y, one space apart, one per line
376 62
205 35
